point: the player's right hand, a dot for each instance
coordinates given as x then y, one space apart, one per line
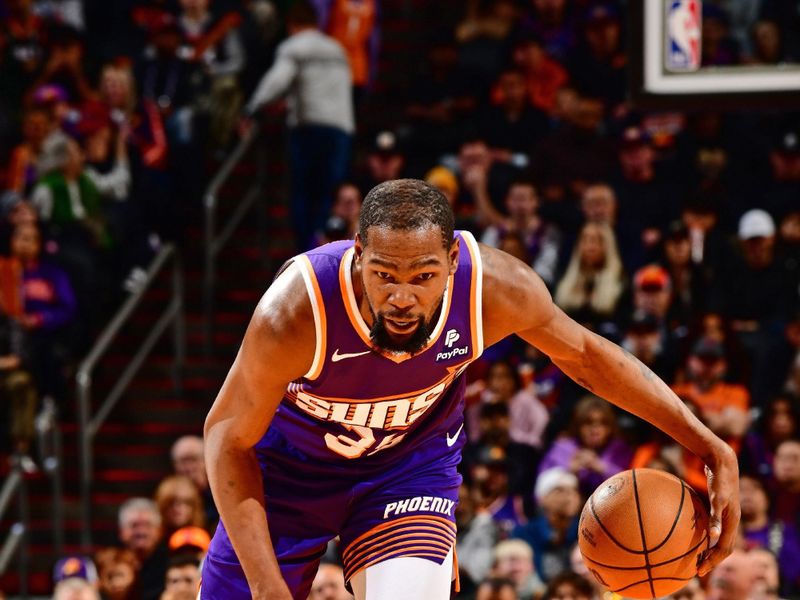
723 523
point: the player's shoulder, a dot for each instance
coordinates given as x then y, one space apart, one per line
285 309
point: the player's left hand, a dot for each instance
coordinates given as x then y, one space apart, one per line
723 523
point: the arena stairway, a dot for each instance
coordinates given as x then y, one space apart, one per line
131 449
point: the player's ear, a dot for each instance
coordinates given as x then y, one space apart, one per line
452 255
358 246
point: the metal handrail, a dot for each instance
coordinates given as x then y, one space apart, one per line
17 540
51 456
215 242
89 424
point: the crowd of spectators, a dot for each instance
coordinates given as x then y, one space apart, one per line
674 234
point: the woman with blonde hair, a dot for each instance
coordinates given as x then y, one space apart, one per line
594 280
180 504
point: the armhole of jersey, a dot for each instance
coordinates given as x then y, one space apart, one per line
476 294
318 308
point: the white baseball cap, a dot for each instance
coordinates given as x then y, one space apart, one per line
551 479
756 223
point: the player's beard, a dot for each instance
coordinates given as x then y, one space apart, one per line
415 342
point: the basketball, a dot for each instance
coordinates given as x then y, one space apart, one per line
642 533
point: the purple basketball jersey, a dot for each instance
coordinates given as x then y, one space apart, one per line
361 406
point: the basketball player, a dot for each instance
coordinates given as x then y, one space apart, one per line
342 413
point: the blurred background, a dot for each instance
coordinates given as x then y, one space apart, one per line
160 159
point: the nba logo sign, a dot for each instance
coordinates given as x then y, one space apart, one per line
682 35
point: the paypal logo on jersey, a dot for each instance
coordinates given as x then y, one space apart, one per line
450 338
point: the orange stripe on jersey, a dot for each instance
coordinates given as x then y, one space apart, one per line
395 523
320 321
406 540
476 295
437 539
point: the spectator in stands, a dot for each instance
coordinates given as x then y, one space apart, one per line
37 124
599 205
598 64
578 566
645 192
568 586
183 575
347 206
593 283
691 591
784 159
511 126
733 578
187 459
140 532
385 160
476 535
718 47
75 589
215 47
758 294
779 421
190 540
513 559
312 69
80 567
767 43
652 293
786 492
688 286
444 180
553 22
180 504
592 450
118 569
354 24
329 584
723 406
65 64
17 387
574 155
489 474
540 239
49 309
760 531
496 588
767 584
646 339
553 530
22 53
544 76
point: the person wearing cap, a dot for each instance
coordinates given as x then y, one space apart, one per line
784 160
723 406
757 294
647 340
385 160
189 540
553 530
598 63
686 277
645 191
81 567
312 71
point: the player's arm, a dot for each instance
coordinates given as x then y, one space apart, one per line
517 301
278 347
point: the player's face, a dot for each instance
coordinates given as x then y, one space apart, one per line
403 278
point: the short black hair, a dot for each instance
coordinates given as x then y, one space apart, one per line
406 204
184 559
581 584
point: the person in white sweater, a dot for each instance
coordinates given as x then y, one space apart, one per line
312 72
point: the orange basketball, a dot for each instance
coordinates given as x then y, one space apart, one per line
642 533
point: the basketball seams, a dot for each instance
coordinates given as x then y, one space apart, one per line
641 530
655 565
674 522
651 580
608 533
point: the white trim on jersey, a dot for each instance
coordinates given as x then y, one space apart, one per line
477 266
307 270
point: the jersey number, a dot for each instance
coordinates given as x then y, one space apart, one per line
353 448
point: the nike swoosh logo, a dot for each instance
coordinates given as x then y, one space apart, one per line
452 440
336 357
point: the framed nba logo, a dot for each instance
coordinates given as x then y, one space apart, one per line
683 51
